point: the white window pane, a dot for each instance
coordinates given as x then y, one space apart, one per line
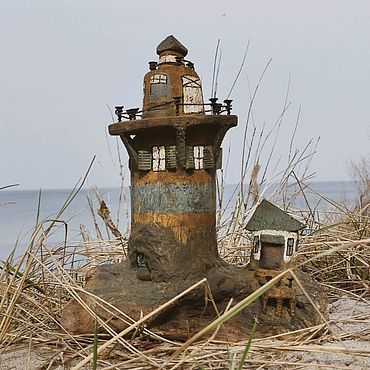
198 152
155 165
158 79
155 152
162 152
162 165
201 151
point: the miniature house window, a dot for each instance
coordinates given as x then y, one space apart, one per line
159 158
159 87
290 247
198 151
256 244
192 94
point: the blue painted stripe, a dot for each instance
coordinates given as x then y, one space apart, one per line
173 198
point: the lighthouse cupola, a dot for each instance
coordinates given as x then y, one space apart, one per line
172 86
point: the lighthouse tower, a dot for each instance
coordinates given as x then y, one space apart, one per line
174 150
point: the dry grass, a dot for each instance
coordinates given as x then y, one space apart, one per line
35 287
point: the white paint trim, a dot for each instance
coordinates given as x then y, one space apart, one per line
285 234
167 59
158 78
256 255
159 158
192 94
198 152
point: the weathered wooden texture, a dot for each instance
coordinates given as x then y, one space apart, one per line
182 205
173 78
172 198
172 122
180 200
117 285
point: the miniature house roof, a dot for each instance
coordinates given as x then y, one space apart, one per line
267 216
170 43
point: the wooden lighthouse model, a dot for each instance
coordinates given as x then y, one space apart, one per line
174 148
174 152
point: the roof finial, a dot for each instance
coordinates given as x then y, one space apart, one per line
170 43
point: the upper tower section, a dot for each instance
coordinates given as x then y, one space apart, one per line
175 131
172 87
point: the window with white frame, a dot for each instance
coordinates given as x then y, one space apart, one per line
159 87
198 152
290 247
159 158
158 79
256 244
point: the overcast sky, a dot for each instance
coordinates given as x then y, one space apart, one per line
63 62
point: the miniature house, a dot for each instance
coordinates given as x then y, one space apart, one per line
274 243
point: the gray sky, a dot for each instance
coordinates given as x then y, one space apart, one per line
62 62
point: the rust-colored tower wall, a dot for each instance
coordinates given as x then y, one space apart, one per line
174 74
174 211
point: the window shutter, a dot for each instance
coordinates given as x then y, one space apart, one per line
144 160
171 156
189 163
192 94
209 161
219 160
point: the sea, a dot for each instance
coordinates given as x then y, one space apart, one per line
20 210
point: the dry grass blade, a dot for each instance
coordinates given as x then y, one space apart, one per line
35 287
8 186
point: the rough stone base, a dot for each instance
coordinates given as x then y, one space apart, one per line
119 285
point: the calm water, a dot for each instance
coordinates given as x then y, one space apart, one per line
18 210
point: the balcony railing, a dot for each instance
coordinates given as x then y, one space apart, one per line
214 108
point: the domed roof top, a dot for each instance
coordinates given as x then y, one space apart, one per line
170 43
